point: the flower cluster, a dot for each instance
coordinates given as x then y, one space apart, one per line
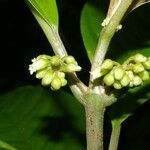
133 72
51 69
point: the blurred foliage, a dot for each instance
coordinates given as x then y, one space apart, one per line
35 118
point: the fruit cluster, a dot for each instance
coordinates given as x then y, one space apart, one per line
51 69
133 72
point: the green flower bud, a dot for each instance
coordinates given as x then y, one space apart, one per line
137 68
107 64
38 65
71 68
48 77
144 75
63 81
109 79
137 80
69 59
130 74
117 85
56 83
139 58
125 80
146 64
40 74
60 74
55 61
118 73
44 57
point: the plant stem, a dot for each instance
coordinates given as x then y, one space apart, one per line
108 32
114 140
51 32
94 123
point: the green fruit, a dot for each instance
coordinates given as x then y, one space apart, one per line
48 77
118 73
107 64
137 80
117 85
144 75
146 64
56 83
125 80
55 61
139 58
109 79
137 68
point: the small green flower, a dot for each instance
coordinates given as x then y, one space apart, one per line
56 83
63 81
71 67
137 80
137 68
69 59
146 64
125 80
107 64
40 74
118 73
55 61
144 75
117 85
139 58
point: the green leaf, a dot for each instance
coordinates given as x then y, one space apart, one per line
6 146
47 9
33 118
90 23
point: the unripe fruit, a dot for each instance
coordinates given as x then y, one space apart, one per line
107 64
55 61
125 80
72 68
144 75
118 73
117 85
56 83
69 59
146 64
139 58
108 79
40 74
137 80
137 68
48 77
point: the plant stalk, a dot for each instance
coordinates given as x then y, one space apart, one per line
94 124
114 140
108 32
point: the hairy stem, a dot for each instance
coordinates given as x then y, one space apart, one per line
108 32
114 140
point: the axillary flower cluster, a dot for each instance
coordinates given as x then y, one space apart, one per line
133 72
51 69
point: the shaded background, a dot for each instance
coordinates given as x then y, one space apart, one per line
21 39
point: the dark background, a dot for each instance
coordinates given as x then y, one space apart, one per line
21 39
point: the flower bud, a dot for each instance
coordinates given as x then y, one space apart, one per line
63 81
40 74
125 80
48 77
146 64
130 74
117 85
60 74
137 80
108 79
43 57
118 73
56 83
69 59
107 64
139 58
38 65
137 68
144 75
71 68
55 61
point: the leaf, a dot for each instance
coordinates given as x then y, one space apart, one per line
6 146
90 24
33 118
47 9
